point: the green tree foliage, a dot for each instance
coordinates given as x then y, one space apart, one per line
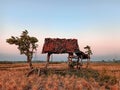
26 44
89 52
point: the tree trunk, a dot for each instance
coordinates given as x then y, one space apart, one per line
29 61
88 61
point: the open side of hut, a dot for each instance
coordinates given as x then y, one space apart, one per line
60 46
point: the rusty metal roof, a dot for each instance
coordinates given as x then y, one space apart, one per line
57 45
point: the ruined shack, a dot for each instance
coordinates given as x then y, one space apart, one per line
61 46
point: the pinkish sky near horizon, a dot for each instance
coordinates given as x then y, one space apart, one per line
93 22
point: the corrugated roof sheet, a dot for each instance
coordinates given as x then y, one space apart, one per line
57 45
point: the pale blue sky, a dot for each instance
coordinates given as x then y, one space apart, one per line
92 22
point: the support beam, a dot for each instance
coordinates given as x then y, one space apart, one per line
70 59
48 58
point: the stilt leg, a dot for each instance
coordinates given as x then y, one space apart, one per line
48 58
81 58
78 63
70 60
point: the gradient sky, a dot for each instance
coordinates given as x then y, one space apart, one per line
92 22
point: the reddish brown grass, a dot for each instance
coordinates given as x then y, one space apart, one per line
13 77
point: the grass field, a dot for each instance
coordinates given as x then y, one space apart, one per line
99 76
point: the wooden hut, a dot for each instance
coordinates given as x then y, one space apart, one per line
61 46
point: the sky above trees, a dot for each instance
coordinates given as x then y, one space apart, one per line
93 22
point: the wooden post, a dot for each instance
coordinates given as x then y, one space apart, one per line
78 62
81 57
70 59
48 58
